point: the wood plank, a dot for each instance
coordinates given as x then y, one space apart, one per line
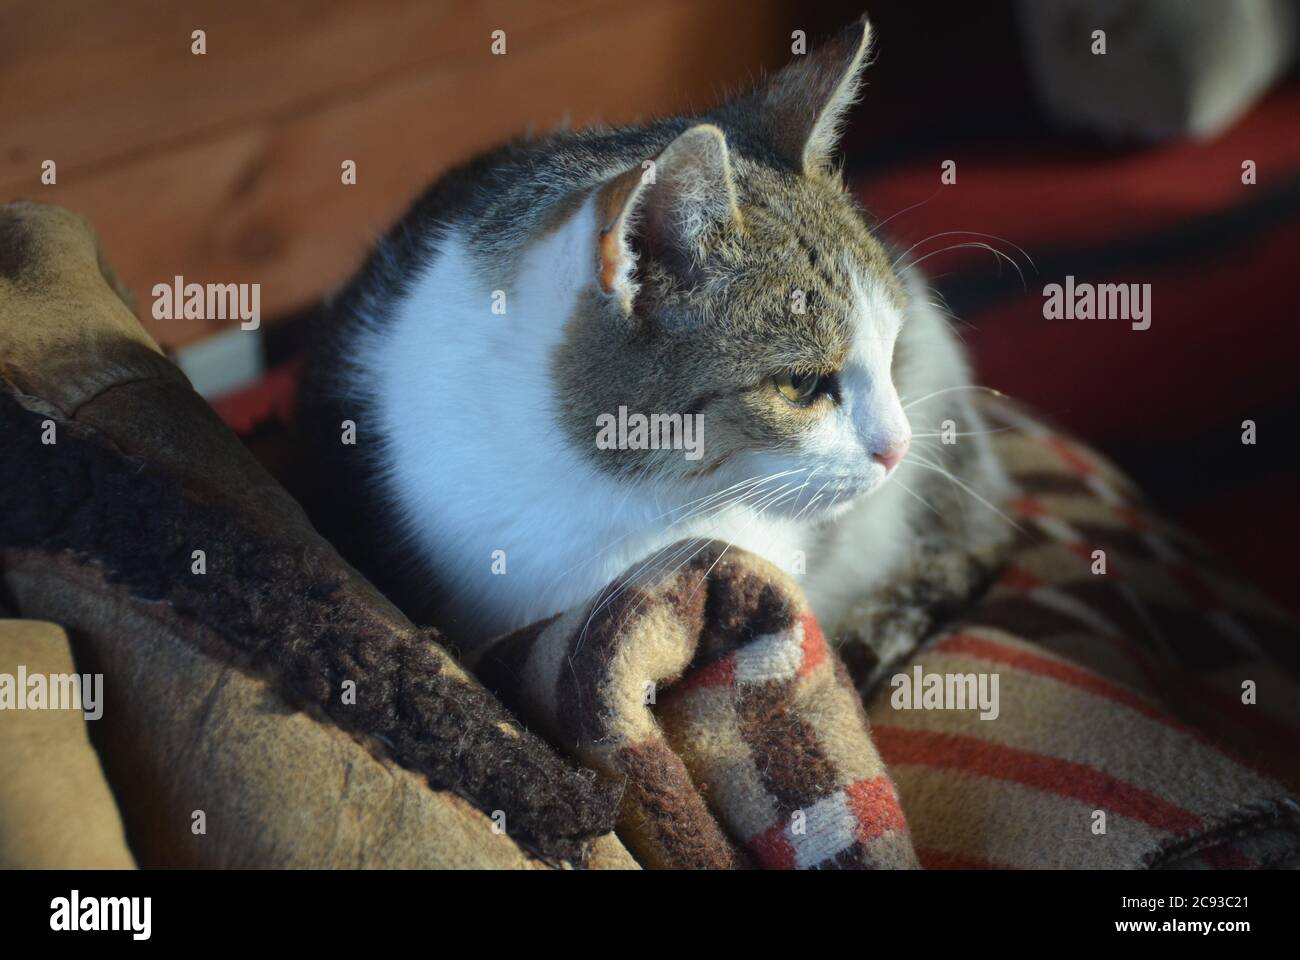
89 83
264 203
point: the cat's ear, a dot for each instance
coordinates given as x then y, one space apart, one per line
800 110
660 212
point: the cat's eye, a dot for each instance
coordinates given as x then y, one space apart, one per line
798 388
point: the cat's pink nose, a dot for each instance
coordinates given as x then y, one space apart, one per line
890 455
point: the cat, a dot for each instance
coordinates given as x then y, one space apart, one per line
710 267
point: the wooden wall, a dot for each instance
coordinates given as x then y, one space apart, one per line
226 167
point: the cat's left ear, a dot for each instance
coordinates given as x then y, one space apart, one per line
800 110
660 212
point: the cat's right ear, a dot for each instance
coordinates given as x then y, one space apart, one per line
800 110
657 215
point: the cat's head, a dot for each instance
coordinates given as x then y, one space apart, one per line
736 280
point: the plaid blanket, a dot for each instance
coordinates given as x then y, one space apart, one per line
711 691
1145 691
1146 711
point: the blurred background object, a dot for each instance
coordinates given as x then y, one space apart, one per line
1173 159
1155 69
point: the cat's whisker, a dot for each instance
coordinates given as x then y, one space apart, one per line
817 496
698 508
932 444
927 465
669 565
653 560
813 502
937 393
941 306
975 245
626 582
704 542
967 433
729 545
968 233
919 203
917 497
757 479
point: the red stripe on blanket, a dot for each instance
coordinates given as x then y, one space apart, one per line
719 673
1029 507
1068 454
1131 515
1256 718
814 646
773 850
1018 580
932 859
875 807
1064 778
965 644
